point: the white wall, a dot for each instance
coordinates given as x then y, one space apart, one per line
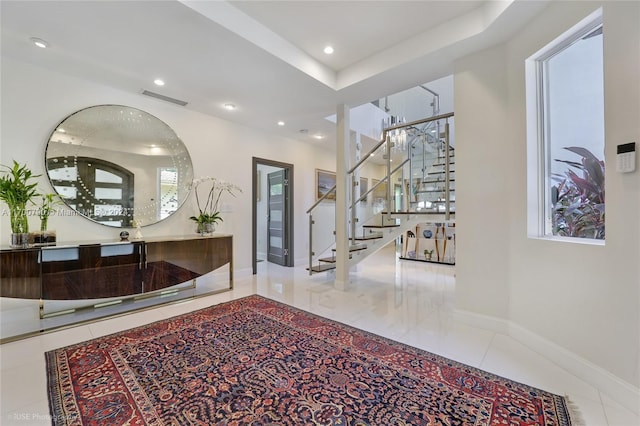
34 100
582 298
481 184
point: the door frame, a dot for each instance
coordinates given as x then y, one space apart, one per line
256 161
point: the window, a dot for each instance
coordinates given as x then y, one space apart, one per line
168 191
565 100
98 189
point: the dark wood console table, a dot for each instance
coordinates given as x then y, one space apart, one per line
107 269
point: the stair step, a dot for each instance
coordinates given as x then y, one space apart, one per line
331 259
355 247
433 190
381 226
437 180
322 268
369 237
419 212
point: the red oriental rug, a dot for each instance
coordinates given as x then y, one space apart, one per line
254 361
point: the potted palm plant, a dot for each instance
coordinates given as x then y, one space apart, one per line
17 191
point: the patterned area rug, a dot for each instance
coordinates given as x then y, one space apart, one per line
254 361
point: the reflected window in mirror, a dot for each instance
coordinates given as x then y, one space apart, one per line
95 188
168 191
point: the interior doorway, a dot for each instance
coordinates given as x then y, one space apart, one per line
272 212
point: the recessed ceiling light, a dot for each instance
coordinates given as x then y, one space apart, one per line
318 136
328 50
230 107
39 42
371 155
280 123
61 130
158 82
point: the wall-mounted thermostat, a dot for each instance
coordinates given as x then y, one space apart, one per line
626 158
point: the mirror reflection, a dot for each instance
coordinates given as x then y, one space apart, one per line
119 166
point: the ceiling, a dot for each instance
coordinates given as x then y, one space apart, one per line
265 57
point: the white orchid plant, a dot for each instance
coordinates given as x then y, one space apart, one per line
209 212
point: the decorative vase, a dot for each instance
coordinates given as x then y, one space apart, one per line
206 228
19 227
49 237
19 239
35 238
42 238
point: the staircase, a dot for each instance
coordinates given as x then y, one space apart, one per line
418 186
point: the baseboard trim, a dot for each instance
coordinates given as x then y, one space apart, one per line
617 389
487 322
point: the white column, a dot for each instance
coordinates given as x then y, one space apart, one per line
343 190
358 155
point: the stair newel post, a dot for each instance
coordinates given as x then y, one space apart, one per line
310 243
404 201
447 195
388 149
354 183
425 141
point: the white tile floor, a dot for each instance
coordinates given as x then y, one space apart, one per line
411 302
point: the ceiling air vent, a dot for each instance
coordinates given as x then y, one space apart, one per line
164 98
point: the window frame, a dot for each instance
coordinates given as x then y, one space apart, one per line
539 182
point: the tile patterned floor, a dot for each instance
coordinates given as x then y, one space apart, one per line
411 302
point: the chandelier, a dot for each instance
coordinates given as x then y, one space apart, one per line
397 137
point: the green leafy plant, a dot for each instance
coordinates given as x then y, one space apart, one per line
17 191
578 198
47 206
203 218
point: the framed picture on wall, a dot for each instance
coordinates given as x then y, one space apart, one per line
324 182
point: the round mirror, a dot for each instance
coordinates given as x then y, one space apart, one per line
118 166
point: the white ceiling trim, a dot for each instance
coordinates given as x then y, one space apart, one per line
248 28
444 35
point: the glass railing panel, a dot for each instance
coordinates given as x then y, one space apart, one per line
323 230
369 211
411 104
430 173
